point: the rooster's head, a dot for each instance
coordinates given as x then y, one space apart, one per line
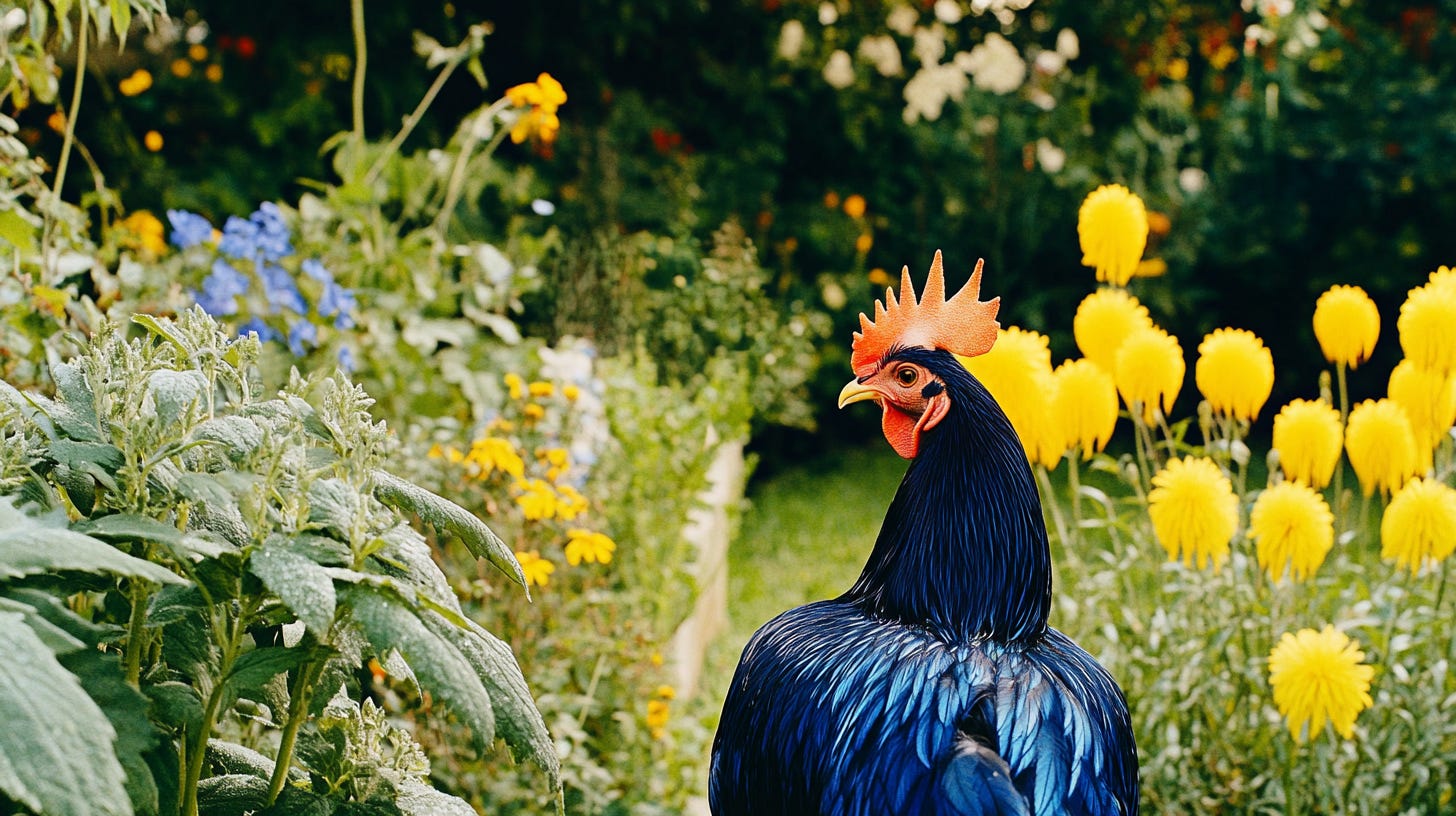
890 361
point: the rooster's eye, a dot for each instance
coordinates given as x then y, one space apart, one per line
907 376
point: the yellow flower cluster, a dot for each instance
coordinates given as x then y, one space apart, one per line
1381 445
136 83
148 234
539 500
1083 405
488 455
540 100
537 569
1319 678
1018 373
1149 371
1419 524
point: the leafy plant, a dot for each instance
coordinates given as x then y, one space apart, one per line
191 559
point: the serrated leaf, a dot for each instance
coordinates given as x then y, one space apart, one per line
333 504
232 795
132 527
440 668
72 387
175 704
175 392
57 750
406 555
255 668
173 603
302 584
415 798
238 436
232 758
102 677
447 515
28 547
99 460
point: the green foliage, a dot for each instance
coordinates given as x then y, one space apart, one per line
234 559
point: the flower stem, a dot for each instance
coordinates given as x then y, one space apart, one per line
1074 485
410 122
68 140
1053 507
303 683
361 60
134 633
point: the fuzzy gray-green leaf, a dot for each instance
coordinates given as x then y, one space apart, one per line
57 752
175 392
132 527
238 436
446 515
303 585
29 547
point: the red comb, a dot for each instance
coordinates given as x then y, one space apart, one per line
964 325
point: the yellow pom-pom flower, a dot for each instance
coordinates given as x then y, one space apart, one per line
1309 439
1150 371
1419 526
1381 445
1112 226
1194 511
1319 678
1427 326
1018 373
1293 530
1429 400
1235 372
1346 324
1084 405
1104 319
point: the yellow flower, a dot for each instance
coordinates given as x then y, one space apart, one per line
138 83
1427 326
181 68
536 499
537 569
1319 678
570 503
854 206
1347 324
863 243
1112 226
1194 511
571 392
1429 400
213 73
1235 372
667 692
879 277
1309 438
1084 405
150 234
1444 276
152 140
1293 530
1104 319
541 100
658 713
1419 525
197 51
585 545
492 453
533 412
1150 371
1381 445
541 389
1018 373
515 385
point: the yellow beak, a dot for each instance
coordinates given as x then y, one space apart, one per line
856 392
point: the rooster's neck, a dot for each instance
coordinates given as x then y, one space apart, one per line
963 549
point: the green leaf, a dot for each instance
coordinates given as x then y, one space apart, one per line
72 387
414 798
121 19
239 436
302 584
165 330
57 750
17 231
175 392
232 795
176 705
441 669
132 527
102 676
29 547
173 603
334 505
254 669
447 515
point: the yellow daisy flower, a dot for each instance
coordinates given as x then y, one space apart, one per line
658 714
491 454
1104 319
536 499
1293 530
570 503
1427 326
1235 372
1429 400
1419 526
1150 371
515 385
1194 511
537 569
1084 405
1112 226
1018 373
541 389
1309 438
1346 324
1381 445
1319 678
585 545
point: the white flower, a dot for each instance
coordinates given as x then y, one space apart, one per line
839 71
1275 8
1049 156
1192 179
1049 62
948 11
828 14
996 65
791 39
1067 44
884 53
929 44
902 20
927 91
1041 98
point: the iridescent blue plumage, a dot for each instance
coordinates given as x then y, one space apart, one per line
934 685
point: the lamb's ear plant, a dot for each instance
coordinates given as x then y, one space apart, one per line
194 576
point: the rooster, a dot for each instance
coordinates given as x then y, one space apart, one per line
934 685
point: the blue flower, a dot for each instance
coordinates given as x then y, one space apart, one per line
338 303
281 291
346 359
315 269
239 238
272 239
302 335
220 289
255 325
188 229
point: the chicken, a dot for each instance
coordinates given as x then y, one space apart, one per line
934 685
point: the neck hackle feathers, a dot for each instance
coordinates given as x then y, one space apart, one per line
964 325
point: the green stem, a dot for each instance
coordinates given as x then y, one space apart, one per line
1074 485
1052 505
303 683
457 174
135 630
409 123
69 138
198 750
361 61
1341 504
